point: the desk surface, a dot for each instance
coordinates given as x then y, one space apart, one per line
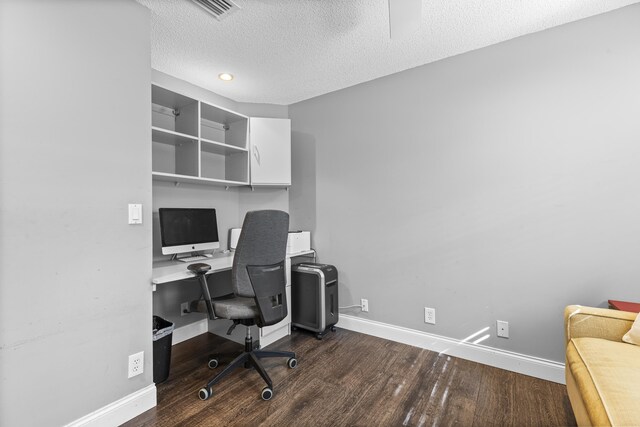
171 271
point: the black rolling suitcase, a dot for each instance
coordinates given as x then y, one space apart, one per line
314 297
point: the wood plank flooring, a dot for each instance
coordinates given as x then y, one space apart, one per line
351 379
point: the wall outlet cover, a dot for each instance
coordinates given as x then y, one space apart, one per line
430 315
502 329
136 364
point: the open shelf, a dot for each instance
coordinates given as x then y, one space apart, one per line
219 148
223 126
175 159
227 167
169 137
174 112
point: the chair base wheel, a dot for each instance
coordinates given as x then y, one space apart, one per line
213 363
267 393
204 393
292 362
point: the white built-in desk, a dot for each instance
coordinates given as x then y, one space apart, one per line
175 271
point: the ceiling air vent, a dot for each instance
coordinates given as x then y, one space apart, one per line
220 9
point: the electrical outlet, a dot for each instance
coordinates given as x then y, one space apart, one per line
136 364
184 309
502 328
430 315
364 304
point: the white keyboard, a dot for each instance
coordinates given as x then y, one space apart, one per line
194 258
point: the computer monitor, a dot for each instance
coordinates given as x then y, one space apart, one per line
188 230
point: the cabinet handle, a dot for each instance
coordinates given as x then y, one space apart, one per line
256 154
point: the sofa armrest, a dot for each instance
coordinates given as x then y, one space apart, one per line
580 321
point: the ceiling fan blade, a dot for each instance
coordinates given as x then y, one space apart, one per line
404 17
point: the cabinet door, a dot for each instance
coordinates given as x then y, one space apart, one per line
270 151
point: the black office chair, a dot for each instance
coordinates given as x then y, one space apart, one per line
258 279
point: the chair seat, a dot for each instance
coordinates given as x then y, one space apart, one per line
236 308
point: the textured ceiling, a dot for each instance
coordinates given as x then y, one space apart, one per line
285 51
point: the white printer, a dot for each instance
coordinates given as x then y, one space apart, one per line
298 241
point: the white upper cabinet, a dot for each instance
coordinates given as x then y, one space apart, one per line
270 146
197 142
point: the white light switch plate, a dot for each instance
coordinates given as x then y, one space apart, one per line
135 213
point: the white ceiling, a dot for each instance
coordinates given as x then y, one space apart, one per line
285 51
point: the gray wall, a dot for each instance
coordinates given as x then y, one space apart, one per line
75 299
498 184
231 206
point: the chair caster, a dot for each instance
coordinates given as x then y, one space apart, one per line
213 363
205 393
267 393
292 362
319 336
333 329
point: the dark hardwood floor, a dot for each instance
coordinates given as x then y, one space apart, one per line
351 379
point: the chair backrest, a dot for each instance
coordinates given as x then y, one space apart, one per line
262 241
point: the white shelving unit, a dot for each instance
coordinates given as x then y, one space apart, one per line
196 142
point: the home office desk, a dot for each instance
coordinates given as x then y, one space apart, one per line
166 272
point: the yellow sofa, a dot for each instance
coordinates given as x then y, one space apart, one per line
602 371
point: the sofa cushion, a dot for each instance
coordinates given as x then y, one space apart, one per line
607 373
633 336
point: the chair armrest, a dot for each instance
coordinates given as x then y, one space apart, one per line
580 321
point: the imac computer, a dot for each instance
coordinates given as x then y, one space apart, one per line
188 230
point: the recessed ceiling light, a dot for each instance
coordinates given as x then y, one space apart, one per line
225 76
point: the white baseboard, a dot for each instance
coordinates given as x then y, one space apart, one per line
189 331
515 362
121 410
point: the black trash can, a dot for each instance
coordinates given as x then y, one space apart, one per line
162 335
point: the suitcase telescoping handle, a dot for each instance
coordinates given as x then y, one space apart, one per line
332 306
